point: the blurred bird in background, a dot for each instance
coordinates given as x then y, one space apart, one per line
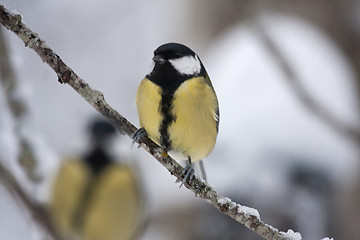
95 197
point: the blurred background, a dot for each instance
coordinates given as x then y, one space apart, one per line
289 135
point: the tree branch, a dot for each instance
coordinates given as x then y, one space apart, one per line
244 215
18 109
299 90
38 214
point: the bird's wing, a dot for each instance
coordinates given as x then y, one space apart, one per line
70 184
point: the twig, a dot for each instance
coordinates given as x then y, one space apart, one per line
18 109
314 107
9 181
244 215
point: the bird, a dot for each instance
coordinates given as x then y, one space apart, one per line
94 197
178 107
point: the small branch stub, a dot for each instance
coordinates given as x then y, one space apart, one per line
64 78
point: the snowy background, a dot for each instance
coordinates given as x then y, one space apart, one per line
272 153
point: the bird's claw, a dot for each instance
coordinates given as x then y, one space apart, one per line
188 174
137 135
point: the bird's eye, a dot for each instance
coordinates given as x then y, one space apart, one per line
178 55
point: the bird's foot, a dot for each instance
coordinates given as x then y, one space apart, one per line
137 135
188 174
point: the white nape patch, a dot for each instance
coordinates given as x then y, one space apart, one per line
187 65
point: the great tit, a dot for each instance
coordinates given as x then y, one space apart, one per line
178 107
94 197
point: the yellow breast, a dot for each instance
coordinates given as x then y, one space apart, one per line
194 130
148 100
112 207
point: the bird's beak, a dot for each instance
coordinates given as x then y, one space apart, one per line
159 59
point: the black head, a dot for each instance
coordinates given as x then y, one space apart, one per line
174 64
101 129
98 157
170 51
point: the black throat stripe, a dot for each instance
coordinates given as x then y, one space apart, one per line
168 79
168 118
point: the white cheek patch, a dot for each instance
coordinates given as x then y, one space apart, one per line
187 65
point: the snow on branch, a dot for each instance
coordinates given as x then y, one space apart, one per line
244 215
